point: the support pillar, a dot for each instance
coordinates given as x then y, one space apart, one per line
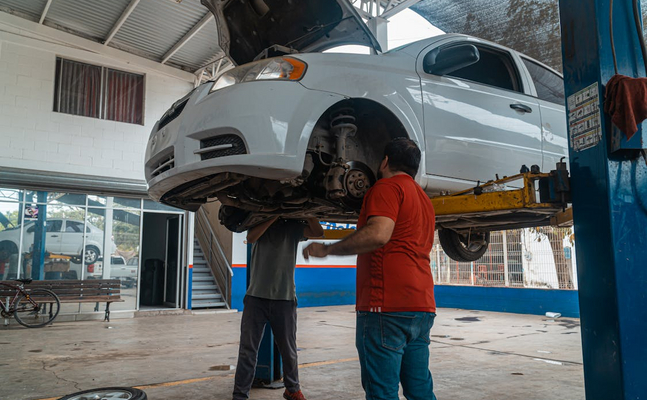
378 27
609 191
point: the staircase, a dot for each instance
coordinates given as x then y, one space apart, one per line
206 293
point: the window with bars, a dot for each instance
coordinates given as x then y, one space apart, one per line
98 92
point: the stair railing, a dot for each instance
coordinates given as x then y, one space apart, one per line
214 254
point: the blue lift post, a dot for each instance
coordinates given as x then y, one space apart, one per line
269 368
40 237
609 192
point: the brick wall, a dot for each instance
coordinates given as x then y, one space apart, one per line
34 137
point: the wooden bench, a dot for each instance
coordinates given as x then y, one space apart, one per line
77 291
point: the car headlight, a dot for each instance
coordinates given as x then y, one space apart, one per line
280 68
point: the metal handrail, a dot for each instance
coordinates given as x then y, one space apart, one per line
215 256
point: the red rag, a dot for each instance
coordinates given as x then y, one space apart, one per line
626 102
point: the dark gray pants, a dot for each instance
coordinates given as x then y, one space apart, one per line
282 316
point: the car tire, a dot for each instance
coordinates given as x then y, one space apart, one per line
457 248
91 254
9 246
108 393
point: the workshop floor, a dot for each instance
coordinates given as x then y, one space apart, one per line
474 355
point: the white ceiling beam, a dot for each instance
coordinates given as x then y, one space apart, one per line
363 13
122 19
45 10
189 35
400 7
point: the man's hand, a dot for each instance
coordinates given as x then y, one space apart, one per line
317 250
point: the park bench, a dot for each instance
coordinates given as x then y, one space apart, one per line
79 291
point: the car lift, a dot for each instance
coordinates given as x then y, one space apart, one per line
541 199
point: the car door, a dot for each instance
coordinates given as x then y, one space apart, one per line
53 235
479 121
72 241
549 89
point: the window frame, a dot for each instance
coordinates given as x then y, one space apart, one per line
525 59
506 53
103 91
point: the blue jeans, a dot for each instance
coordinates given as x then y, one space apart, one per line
394 348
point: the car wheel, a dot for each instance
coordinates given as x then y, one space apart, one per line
107 394
9 246
463 248
91 254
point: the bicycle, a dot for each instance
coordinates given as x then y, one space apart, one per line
29 307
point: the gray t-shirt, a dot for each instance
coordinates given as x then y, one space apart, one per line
274 257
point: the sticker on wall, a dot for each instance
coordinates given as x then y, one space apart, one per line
585 124
31 212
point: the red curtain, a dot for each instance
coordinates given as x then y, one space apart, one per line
79 92
124 97
79 88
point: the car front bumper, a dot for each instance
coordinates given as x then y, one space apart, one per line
258 129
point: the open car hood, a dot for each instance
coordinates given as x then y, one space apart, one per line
253 29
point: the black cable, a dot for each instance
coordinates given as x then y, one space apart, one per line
613 44
641 38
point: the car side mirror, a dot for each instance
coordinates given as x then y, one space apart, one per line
31 229
443 61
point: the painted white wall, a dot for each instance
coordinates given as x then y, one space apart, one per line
36 138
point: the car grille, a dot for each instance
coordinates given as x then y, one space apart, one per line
172 114
164 165
221 146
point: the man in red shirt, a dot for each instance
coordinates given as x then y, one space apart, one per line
395 288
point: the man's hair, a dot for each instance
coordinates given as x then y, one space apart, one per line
404 156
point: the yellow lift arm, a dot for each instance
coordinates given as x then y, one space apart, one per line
525 200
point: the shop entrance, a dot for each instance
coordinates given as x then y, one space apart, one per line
161 260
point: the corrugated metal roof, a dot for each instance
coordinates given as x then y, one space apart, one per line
201 50
32 8
152 29
94 18
156 25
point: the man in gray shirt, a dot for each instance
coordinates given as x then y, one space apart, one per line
271 297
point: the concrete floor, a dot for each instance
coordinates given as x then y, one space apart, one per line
474 355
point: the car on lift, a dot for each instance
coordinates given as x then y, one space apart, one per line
62 236
295 132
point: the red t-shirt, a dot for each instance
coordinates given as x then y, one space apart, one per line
397 276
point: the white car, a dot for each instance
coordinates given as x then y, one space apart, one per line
302 134
62 236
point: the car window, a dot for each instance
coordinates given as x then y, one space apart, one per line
117 261
549 85
494 68
73 226
54 225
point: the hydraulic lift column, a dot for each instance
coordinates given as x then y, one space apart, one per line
609 193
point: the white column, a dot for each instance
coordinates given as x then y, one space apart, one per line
505 259
378 27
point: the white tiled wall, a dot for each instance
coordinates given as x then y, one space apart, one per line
33 137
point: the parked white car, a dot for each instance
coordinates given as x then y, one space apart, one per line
62 236
303 134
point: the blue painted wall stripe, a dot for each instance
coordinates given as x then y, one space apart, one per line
319 287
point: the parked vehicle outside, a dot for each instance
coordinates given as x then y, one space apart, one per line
302 134
62 236
126 272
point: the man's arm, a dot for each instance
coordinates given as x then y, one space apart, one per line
256 232
314 229
375 234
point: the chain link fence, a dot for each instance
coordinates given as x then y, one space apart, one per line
529 258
